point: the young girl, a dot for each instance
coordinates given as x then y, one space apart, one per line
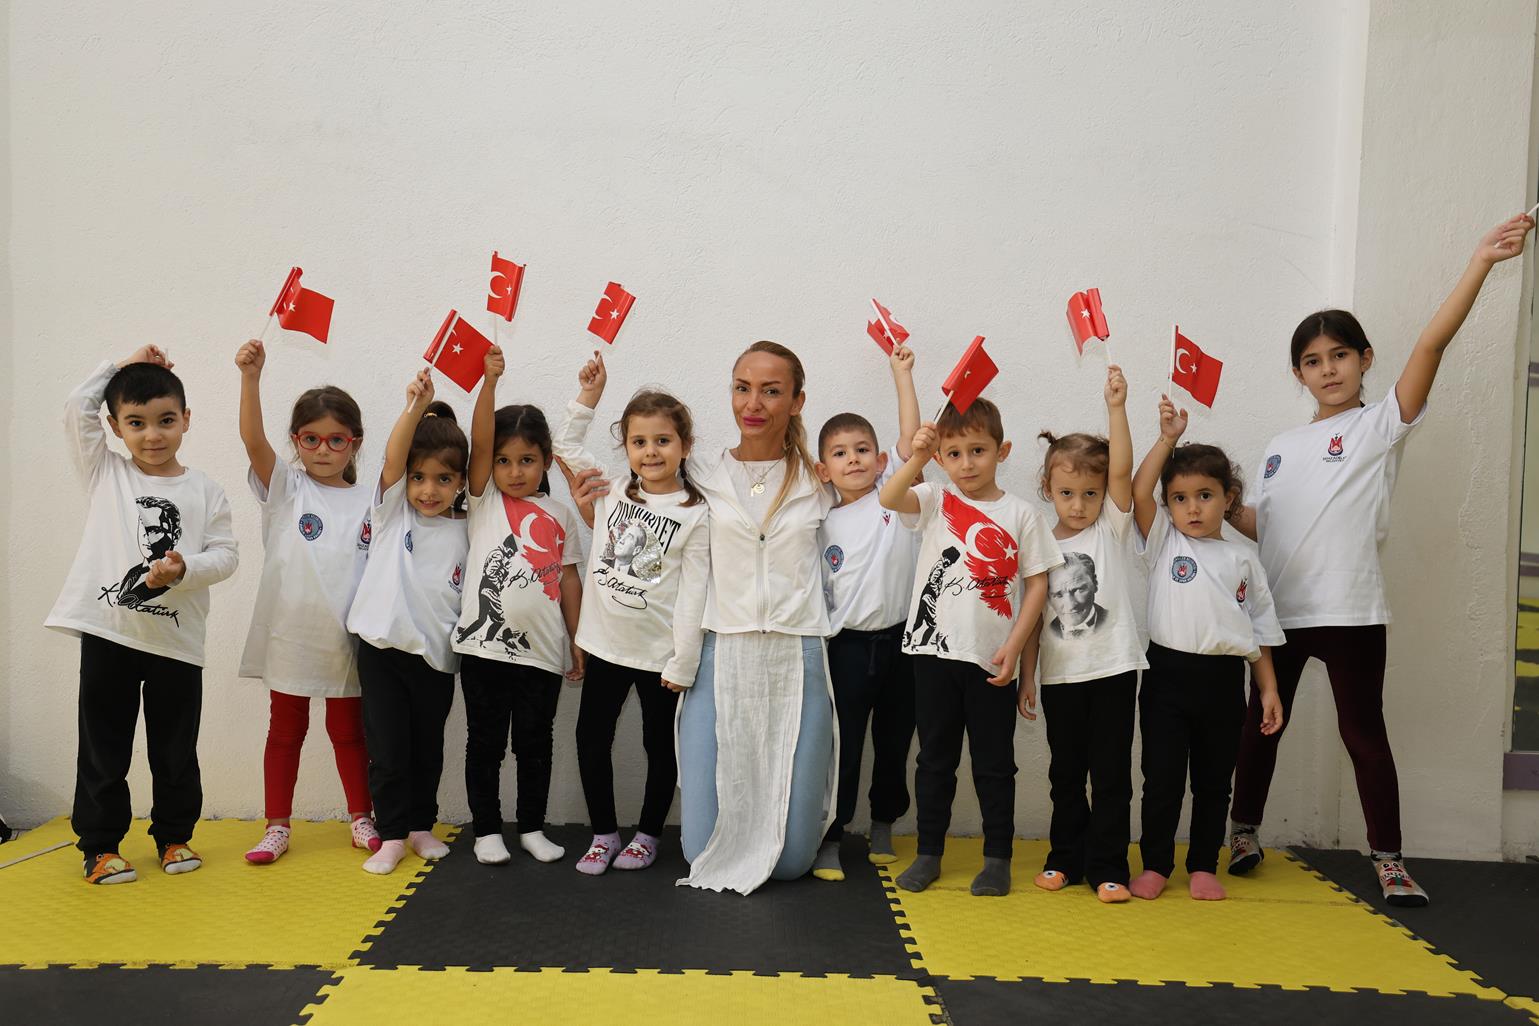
404 614
640 623
315 532
515 636
1209 612
1089 653
1321 513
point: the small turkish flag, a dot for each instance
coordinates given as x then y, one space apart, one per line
507 280
459 351
299 309
613 305
885 331
1194 370
970 377
1086 318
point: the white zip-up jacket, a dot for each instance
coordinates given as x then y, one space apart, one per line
763 578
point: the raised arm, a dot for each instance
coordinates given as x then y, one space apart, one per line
419 394
902 363
572 431
898 493
250 358
1172 425
483 423
1119 470
1503 242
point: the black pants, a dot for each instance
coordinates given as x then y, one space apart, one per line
405 704
503 702
1191 710
1090 733
110 679
951 697
873 681
604 688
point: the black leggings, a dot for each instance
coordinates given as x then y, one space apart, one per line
1090 734
604 689
873 682
405 704
506 701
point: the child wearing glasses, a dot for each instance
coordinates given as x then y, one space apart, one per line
315 536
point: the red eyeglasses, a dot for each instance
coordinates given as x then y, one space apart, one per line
312 441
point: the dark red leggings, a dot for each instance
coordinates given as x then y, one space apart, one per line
286 730
1354 660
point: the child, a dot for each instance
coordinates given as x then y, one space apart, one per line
1089 653
1321 513
515 638
979 589
640 622
403 615
169 526
1209 612
868 575
315 533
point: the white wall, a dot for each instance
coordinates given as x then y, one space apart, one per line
748 174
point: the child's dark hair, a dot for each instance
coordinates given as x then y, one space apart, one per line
982 415
655 402
844 422
1076 452
330 401
1337 325
1206 461
140 383
439 437
526 422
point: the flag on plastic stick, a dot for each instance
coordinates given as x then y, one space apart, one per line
1086 318
1194 370
969 378
299 309
507 280
459 351
885 331
613 306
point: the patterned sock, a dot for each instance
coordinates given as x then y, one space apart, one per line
640 853
599 854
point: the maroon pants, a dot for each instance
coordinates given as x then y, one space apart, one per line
1354 660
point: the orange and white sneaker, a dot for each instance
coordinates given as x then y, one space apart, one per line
1398 887
109 868
178 858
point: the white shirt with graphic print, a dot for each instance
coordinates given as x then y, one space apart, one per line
410 596
973 558
1089 630
131 519
869 556
511 609
315 540
1322 511
1207 596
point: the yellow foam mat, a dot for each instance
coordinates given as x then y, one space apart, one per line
1282 926
314 906
555 998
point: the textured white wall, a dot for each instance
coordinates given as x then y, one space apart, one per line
748 174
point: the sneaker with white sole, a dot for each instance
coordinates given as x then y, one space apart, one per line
1398 887
271 847
109 868
178 858
1245 852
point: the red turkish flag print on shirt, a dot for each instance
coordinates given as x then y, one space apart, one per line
1195 371
507 281
299 309
613 305
970 376
459 351
993 557
540 541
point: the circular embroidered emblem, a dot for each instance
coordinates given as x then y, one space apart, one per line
310 526
835 557
365 533
1183 569
1272 463
408 541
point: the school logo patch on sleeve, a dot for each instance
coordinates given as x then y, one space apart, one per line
457 579
1272 463
310 527
1183 569
834 556
365 534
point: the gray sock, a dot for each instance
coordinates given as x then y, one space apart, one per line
828 858
921 874
881 838
993 880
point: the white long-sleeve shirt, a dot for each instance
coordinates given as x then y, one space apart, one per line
132 519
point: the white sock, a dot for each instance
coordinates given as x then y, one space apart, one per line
491 850
541 847
427 846
386 859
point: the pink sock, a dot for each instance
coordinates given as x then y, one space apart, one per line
387 858
639 854
1147 885
599 854
426 845
1205 887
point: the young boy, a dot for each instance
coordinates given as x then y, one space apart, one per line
157 535
868 571
979 590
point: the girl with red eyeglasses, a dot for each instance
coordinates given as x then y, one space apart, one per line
315 536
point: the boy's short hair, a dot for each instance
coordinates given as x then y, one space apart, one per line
844 422
982 415
140 383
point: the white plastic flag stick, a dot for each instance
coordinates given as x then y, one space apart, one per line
1171 384
937 417
269 323
1109 360
35 854
1532 210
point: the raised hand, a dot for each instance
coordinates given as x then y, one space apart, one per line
420 389
494 365
926 440
1505 240
901 360
251 357
1116 387
148 354
1172 421
593 377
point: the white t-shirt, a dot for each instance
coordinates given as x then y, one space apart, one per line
869 556
1322 511
1207 596
512 608
133 518
973 559
410 595
648 572
1089 630
315 540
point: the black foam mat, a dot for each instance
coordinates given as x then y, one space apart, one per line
549 915
157 996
